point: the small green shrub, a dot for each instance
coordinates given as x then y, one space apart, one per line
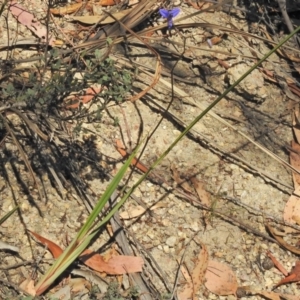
45 88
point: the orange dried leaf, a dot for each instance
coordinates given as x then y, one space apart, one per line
204 196
201 264
278 265
90 94
187 290
294 276
28 286
109 2
198 275
28 19
73 101
132 213
134 162
269 295
216 40
220 279
281 241
292 209
252 291
55 250
223 64
116 265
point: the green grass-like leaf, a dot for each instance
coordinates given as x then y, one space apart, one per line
82 240
3 219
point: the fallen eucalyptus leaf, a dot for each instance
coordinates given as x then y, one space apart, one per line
95 19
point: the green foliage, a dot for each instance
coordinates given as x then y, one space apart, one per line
2 7
116 121
46 87
5 217
113 293
118 82
134 291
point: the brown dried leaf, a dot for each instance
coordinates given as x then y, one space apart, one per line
204 196
198 275
109 2
73 101
216 40
295 162
187 290
220 279
252 291
79 284
95 19
277 264
296 125
201 264
28 286
292 209
133 213
269 295
117 265
281 241
55 250
294 276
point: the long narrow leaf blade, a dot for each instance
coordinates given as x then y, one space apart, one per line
79 243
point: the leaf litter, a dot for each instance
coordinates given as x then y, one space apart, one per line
216 276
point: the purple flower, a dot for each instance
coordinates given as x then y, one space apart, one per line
169 14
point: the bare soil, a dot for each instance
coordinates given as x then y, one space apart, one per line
245 185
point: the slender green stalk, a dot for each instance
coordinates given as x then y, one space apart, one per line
81 241
83 238
121 202
2 7
4 218
204 112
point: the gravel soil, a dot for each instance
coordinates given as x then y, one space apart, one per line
244 185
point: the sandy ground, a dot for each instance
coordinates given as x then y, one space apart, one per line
239 179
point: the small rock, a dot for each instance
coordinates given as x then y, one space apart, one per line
166 248
268 282
240 257
171 241
194 226
151 235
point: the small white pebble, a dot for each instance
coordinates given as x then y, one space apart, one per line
166 249
264 246
24 206
171 241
